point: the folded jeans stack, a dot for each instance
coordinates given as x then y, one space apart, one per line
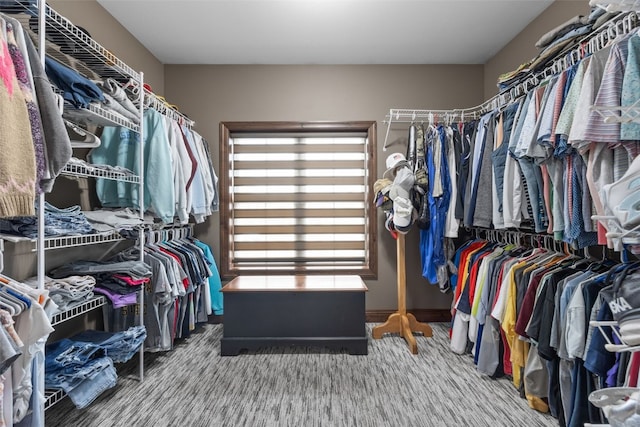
82 366
82 370
119 346
57 222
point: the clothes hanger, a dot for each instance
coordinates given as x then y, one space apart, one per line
17 289
10 300
9 307
81 138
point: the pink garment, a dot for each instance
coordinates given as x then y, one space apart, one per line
557 109
634 367
130 281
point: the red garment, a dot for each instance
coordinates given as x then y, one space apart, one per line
185 281
557 108
473 276
634 366
192 157
131 281
526 309
498 286
464 266
506 356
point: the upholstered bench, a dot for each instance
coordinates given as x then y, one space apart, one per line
317 311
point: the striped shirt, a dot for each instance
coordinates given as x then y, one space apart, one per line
609 96
590 86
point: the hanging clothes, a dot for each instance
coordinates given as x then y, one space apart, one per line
540 302
189 189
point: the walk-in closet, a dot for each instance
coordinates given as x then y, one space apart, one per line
319 213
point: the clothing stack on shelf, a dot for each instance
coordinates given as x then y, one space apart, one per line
120 282
68 291
57 222
557 42
82 365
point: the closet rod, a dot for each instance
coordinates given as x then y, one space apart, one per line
163 107
618 25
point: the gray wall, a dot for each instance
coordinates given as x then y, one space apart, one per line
211 94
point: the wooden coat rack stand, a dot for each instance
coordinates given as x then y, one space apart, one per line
402 322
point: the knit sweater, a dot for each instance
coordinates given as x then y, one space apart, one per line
26 85
17 162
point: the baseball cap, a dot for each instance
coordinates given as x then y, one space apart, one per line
393 162
402 184
402 214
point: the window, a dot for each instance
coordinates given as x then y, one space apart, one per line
297 198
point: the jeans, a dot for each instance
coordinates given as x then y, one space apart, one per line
68 353
57 222
432 239
499 159
119 346
533 176
80 369
89 389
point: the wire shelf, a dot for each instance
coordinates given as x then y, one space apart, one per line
162 106
94 114
71 45
81 240
78 310
99 116
89 171
60 242
76 43
51 397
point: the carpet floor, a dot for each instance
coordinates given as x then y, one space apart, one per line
194 386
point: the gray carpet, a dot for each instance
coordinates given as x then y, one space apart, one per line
194 386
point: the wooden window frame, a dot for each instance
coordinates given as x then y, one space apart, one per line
369 269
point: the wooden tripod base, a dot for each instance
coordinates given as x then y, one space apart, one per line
405 324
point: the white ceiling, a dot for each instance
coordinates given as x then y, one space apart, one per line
324 31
